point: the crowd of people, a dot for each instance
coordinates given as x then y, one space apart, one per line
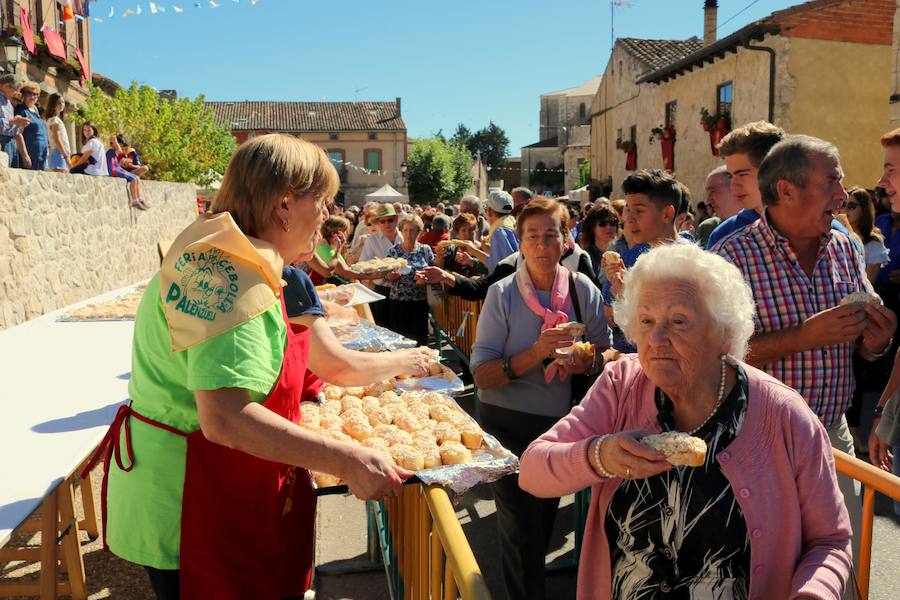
753 322
35 137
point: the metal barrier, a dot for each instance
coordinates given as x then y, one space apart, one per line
426 553
873 480
457 320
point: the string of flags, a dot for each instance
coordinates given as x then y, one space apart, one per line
81 10
366 171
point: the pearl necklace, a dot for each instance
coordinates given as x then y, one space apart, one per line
718 401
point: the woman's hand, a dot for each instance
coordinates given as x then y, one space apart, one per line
551 340
624 456
463 258
581 363
615 273
371 475
413 361
393 276
879 452
26 160
433 275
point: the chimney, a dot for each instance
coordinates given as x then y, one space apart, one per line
398 106
710 17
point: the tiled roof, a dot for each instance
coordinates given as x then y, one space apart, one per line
656 54
548 143
309 116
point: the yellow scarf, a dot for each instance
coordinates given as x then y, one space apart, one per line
214 278
509 222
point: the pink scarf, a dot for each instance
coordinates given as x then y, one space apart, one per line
560 302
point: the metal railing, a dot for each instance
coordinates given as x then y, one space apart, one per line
458 322
873 480
426 553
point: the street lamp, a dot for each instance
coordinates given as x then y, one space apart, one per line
10 53
403 169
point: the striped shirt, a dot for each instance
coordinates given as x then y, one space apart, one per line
785 296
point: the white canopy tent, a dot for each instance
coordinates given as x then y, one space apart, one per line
386 194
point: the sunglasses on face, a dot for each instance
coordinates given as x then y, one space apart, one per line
852 206
612 223
28 93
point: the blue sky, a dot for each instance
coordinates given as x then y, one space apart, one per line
459 61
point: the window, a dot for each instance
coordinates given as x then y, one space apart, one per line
671 109
38 17
332 136
372 159
373 136
337 159
724 98
632 135
582 111
618 134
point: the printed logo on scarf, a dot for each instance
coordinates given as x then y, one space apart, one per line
208 285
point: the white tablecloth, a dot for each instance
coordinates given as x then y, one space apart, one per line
60 387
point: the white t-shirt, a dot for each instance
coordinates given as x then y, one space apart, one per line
98 153
877 253
63 136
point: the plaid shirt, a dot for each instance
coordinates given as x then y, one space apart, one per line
785 296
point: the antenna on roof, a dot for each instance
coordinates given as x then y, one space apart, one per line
356 92
613 5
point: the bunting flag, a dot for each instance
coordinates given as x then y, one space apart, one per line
67 13
81 8
85 70
55 43
27 33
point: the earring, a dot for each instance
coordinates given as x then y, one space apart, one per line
285 226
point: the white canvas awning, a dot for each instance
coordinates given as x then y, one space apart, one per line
386 194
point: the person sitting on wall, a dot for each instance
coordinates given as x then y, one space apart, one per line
91 159
130 158
116 170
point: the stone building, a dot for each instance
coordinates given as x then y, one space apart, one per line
366 140
819 68
61 60
564 132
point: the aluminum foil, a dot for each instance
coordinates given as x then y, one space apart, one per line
489 463
447 383
368 337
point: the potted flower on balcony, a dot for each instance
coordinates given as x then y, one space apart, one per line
663 132
717 126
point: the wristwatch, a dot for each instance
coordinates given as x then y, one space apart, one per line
507 368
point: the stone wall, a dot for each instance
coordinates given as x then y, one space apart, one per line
66 238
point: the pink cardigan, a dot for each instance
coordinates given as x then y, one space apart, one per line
780 467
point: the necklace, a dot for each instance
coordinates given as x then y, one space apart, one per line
718 400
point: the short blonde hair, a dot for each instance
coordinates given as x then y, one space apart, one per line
408 218
720 287
266 168
30 86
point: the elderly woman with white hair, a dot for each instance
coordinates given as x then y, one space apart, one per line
761 517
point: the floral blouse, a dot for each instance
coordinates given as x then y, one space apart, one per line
681 534
405 288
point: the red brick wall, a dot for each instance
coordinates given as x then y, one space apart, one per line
859 21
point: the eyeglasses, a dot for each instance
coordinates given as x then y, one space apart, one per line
28 93
611 223
852 205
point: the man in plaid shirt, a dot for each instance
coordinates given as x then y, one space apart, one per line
800 269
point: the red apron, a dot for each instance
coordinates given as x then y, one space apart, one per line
246 523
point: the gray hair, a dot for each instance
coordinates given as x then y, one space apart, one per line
12 79
719 284
522 190
791 159
408 218
441 223
470 200
720 171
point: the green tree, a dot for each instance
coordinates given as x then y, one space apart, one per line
178 139
491 143
462 135
584 174
438 171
